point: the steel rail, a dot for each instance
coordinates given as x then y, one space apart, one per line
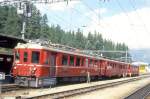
140 93
79 91
9 87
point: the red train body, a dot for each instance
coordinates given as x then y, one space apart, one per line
37 66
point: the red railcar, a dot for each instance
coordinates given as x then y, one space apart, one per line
134 70
115 68
36 65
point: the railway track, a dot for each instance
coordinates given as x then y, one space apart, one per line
69 93
141 93
9 87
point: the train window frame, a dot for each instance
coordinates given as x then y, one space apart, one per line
82 62
36 61
111 64
17 56
78 61
25 59
65 60
71 60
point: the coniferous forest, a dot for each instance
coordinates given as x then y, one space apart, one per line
38 28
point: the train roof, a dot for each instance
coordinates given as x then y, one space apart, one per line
38 46
72 51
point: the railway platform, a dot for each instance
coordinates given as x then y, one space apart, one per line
31 93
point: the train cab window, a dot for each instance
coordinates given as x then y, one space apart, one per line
35 57
72 60
17 56
64 60
78 61
25 57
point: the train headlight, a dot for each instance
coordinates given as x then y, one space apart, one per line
34 68
15 67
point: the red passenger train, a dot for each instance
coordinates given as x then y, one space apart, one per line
38 65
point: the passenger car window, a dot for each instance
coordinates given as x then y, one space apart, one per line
72 60
90 63
64 60
35 57
25 57
82 62
78 61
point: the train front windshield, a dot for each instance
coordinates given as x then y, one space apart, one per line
17 56
35 57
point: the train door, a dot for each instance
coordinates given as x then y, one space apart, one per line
102 67
52 64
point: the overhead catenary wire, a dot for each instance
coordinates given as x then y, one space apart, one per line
92 10
57 17
128 17
132 2
80 13
71 12
14 3
125 12
61 20
97 14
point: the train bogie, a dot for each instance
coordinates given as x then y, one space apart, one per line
35 81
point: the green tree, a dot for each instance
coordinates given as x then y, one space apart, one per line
79 39
33 24
37 27
44 34
10 23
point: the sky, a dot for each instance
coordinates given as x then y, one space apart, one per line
123 21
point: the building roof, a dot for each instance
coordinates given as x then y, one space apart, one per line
7 41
